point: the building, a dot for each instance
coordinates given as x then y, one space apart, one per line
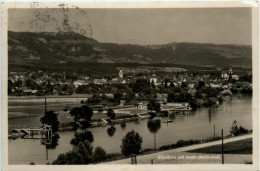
235 77
100 81
192 91
142 105
153 80
229 75
79 83
213 85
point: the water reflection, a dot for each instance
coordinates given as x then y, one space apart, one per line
137 122
111 131
154 126
209 115
123 125
172 117
51 144
81 137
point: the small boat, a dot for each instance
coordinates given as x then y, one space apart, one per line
167 121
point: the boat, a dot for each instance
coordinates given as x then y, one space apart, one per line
167 121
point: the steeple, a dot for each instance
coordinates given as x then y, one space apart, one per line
121 73
230 72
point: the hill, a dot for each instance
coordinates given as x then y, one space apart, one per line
68 47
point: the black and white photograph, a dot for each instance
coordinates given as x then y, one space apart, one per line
129 85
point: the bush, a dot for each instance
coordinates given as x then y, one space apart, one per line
242 130
131 143
180 143
99 155
235 130
111 113
114 156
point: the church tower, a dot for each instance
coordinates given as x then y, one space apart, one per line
121 73
230 72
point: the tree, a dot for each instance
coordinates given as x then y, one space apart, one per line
9 87
140 86
75 112
154 126
81 137
29 83
201 84
183 85
111 113
82 115
171 97
81 155
85 151
99 155
153 105
235 130
131 143
172 85
86 113
118 96
212 92
50 118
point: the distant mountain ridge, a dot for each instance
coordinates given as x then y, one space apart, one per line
69 47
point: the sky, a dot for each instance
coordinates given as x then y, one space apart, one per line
141 26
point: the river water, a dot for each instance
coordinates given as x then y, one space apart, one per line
197 125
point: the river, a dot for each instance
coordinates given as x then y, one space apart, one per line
199 124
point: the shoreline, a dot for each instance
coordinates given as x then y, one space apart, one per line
149 154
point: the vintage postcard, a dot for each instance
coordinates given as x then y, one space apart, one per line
130 86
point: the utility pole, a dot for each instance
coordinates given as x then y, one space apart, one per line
222 149
214 132
45 105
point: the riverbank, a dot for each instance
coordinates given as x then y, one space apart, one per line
15 115
101 121
183 156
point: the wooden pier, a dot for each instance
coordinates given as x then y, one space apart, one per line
28 133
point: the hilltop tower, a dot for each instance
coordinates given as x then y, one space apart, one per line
121 73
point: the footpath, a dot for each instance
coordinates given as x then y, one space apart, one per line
180 156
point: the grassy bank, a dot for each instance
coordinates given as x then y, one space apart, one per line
237 147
